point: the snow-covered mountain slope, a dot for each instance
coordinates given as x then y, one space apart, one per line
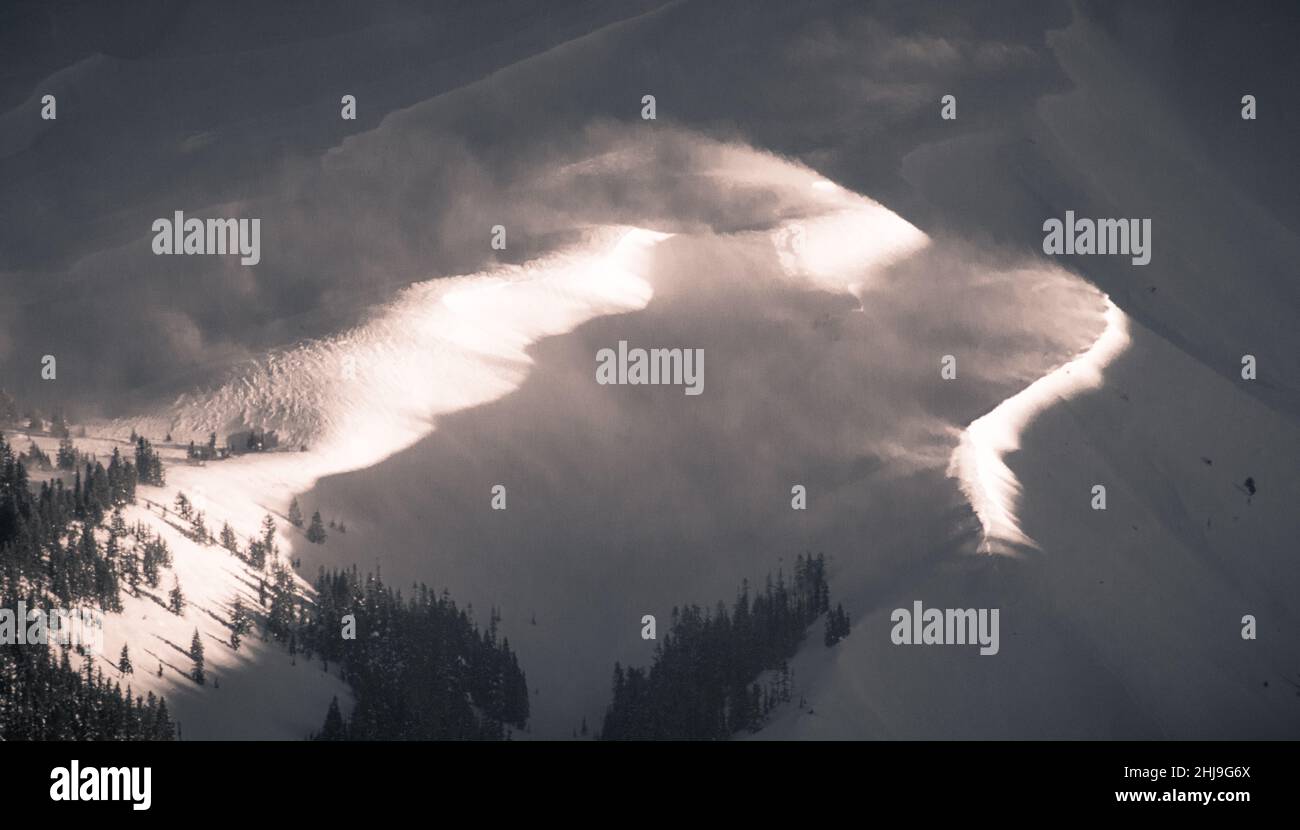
821 368
1126 622
1118 623
824 317
442 345
257 691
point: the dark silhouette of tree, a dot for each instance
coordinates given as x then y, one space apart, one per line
148 464
316 533
228 540
176 599
837 626
428 674
196 654
334 729
718 672
67 454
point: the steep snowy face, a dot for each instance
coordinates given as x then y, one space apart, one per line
442 345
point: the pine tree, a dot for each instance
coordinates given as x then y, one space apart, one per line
198 529
268 532
256 553
67 455
132 570
117 527
334 729
36 458
837 626
316 533
239 622
228 540
196 654
295 513
124 662
148 466
176 599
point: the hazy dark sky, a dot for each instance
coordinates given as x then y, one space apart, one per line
232 108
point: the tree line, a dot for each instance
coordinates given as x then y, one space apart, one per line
420 667
50 556
718 673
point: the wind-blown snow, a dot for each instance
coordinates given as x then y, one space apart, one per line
979 461
844 249
441 346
